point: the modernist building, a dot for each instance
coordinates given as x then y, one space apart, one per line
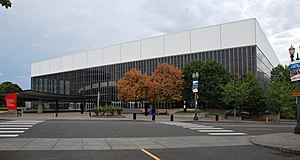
240 46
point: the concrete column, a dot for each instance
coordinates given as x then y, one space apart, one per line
85 107
40 107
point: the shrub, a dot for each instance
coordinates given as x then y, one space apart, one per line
96 110
119 110
107 110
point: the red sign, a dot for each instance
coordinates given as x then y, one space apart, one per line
11 101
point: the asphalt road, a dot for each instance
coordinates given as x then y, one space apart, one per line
104 129
125 129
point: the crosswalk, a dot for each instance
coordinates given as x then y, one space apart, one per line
10 129
210 130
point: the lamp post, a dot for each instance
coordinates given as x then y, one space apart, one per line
195 77
292 52
294 67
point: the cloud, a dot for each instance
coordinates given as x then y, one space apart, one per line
36 31
1 74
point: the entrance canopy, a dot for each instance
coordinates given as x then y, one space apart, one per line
31 95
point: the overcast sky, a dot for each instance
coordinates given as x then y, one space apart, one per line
36 30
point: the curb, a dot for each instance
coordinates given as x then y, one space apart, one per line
278 148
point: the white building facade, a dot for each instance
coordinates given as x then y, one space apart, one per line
240 46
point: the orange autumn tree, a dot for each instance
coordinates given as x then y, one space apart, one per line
130 87
165 84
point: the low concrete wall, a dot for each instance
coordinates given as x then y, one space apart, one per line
233 118
261 117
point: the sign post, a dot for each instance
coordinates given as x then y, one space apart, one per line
195 86
295 77
195 90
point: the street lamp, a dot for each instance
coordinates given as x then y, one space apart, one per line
292 52
294 66
195 77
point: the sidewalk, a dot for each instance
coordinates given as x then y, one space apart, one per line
284 142
86 116
125 117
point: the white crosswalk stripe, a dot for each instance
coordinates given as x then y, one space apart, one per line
17 125
213 131
12 129
227 134
8 135
210 130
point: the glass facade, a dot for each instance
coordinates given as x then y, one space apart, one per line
103 79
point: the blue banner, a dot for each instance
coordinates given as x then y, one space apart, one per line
295 71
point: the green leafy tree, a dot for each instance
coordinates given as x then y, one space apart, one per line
6 3
165 84
9 87
212 76
278 96
235 93
255 99
280 100
280 73
187 71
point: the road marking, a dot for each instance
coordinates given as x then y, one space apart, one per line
8 135
149 154
25 126
14 128
193 126
212 131
17 123
226 134
201 127
11 131
208 128
26 121
259 129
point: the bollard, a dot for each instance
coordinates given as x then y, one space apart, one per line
153 114
134 116
81 109
153 117
171 117
217 117
90 114
146 110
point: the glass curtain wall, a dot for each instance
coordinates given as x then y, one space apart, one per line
103 79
